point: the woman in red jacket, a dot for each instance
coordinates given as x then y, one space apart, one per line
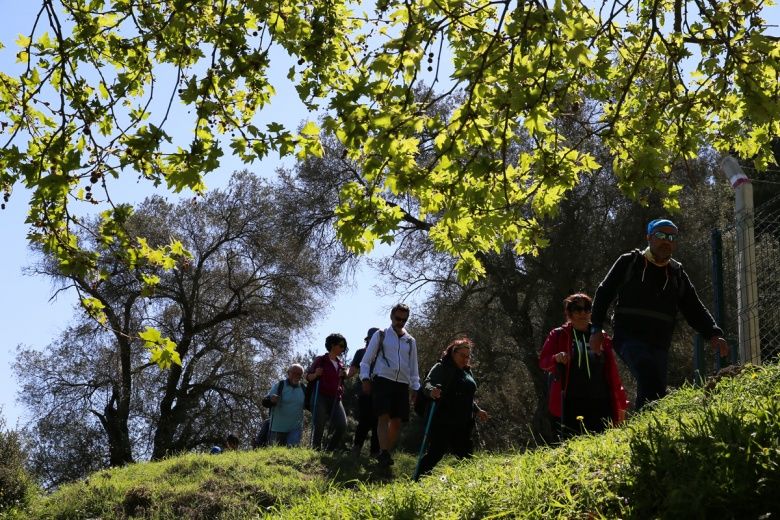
586 393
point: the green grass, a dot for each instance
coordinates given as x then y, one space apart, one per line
710 452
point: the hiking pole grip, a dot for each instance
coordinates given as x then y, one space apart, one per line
424 440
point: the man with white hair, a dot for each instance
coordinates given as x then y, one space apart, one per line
286 398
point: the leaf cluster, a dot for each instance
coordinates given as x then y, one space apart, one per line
100 83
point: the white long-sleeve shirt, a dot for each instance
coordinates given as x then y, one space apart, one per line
396 360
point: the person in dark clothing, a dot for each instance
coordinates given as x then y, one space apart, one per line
648 288
330 371
365 410
452 387
586 392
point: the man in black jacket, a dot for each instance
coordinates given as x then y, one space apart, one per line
648 288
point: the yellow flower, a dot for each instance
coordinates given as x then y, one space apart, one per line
580 418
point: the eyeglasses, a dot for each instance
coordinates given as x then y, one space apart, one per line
579 308
660 235
402 320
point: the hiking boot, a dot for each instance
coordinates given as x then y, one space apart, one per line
384 459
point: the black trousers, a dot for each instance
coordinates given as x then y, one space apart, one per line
366 423
447 438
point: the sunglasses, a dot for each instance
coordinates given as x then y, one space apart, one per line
660 235
579 308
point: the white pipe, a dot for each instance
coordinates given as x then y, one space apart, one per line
747 284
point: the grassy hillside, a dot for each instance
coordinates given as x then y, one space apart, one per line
710 452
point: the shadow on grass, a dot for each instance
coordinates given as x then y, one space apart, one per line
350 471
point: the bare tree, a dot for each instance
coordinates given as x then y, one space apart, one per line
251 282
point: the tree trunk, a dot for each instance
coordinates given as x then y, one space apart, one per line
167 423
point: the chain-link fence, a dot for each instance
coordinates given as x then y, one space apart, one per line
745 265
767 265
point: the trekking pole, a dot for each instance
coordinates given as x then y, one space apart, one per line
561 367
271 427
416 475
479 434
327 427
314 410
328 422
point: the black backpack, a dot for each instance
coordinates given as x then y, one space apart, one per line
267 400
422 402
261 439
308 390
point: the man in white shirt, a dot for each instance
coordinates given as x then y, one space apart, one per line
389 373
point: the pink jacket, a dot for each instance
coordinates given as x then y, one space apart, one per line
560 340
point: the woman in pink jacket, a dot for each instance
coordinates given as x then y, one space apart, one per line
586 393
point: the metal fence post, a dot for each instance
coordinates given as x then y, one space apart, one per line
718 291
747 286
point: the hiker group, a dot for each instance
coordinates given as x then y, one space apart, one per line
648 288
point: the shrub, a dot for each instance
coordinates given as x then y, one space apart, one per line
15 482
723 461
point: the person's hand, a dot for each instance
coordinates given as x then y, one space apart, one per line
366 387
274 398
318 372
435 393
621 416
561 358
412 396
596 341
483 415
719 345
343 373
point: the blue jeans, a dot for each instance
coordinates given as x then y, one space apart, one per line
329 410
289 439
649 366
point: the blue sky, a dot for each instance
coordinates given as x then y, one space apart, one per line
30 317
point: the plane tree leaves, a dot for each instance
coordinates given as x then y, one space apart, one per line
101 80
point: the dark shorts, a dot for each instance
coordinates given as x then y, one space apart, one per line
391 398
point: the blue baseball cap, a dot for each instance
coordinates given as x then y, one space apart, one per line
659 222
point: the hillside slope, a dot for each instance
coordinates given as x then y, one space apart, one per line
711 452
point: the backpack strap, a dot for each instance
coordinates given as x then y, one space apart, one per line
381 351
677 271
636 253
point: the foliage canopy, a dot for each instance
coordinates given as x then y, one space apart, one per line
656 80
